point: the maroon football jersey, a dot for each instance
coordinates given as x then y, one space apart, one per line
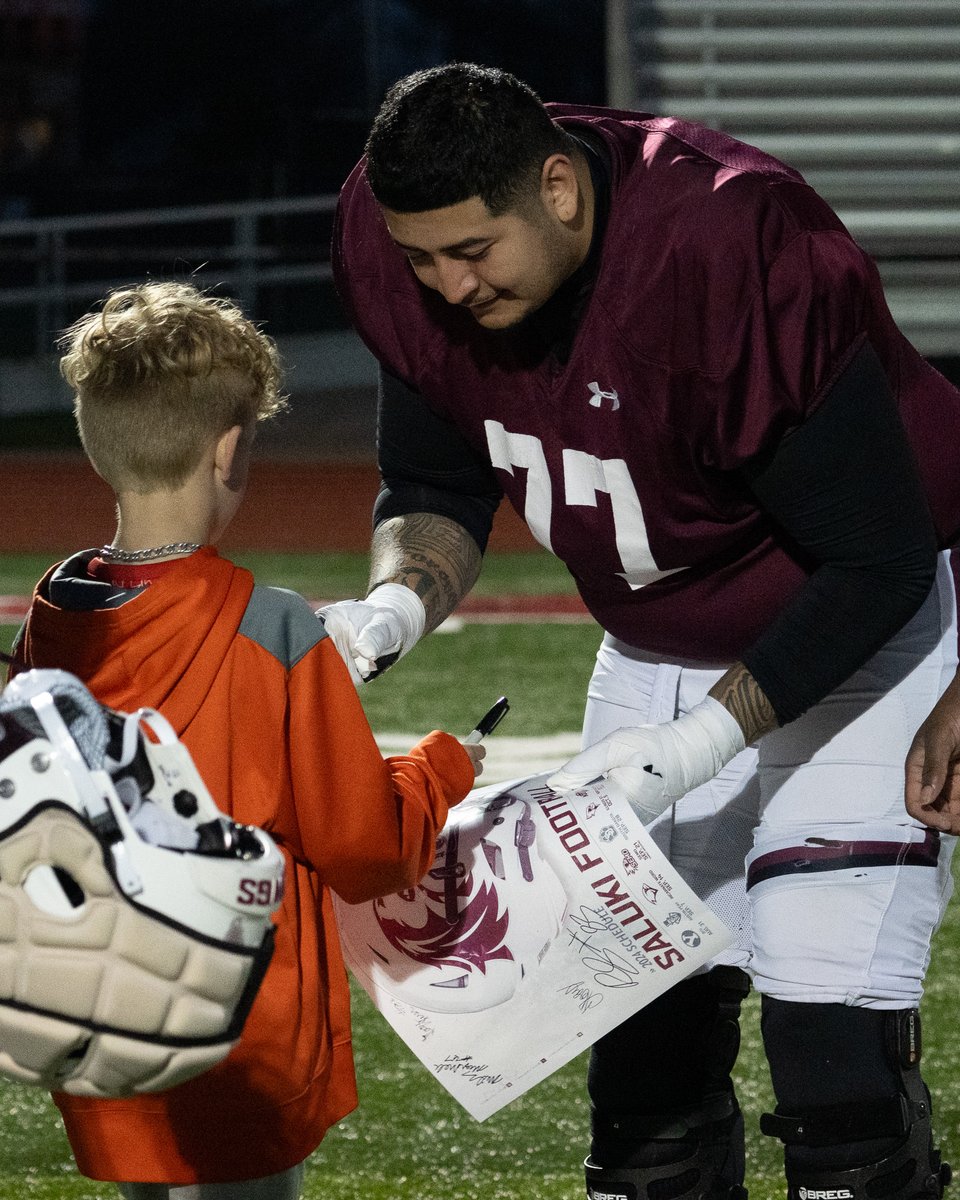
728 299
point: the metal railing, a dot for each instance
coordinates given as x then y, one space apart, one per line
51 269
54 267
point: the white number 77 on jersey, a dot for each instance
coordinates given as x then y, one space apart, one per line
584 475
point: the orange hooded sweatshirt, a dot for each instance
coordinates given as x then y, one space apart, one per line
260 697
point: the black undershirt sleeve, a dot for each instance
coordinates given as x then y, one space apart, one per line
845 489
426 465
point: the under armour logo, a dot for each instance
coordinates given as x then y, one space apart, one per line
598 395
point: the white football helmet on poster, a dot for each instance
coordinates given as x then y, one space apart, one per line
135 917
478 922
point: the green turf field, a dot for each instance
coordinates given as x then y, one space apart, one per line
408 1140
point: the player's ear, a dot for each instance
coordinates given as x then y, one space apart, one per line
559 187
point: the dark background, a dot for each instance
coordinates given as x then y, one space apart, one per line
111 105
114 104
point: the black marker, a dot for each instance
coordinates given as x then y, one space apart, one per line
488 722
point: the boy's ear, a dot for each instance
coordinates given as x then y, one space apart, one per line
228 456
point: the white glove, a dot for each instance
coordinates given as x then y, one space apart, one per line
372 634
655 765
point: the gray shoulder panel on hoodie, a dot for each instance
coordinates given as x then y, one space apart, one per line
283 623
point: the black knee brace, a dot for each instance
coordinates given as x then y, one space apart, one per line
694 1155
853 1111
666 1124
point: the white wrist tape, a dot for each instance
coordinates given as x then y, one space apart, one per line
656 765
703 741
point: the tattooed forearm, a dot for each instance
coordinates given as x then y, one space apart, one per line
432 555
743 698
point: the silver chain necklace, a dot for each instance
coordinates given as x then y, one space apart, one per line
115 554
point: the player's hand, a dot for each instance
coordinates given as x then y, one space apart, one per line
933 766
634 759
477 752
655 765
372 634
362 633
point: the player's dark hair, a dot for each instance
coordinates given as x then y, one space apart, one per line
449 133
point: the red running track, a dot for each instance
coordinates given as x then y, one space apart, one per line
55 503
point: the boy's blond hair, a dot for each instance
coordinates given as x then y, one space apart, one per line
159 372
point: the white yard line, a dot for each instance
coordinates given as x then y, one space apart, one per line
507 757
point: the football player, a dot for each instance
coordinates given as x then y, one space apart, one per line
671 357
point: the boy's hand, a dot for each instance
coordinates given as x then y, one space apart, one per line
476 752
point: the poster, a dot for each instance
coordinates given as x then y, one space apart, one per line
545 920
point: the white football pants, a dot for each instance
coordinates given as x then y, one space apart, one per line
803 845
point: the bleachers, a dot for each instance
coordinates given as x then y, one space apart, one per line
861 96
271 256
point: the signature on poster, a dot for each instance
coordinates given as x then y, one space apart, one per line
586 999
465 1066
591 927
